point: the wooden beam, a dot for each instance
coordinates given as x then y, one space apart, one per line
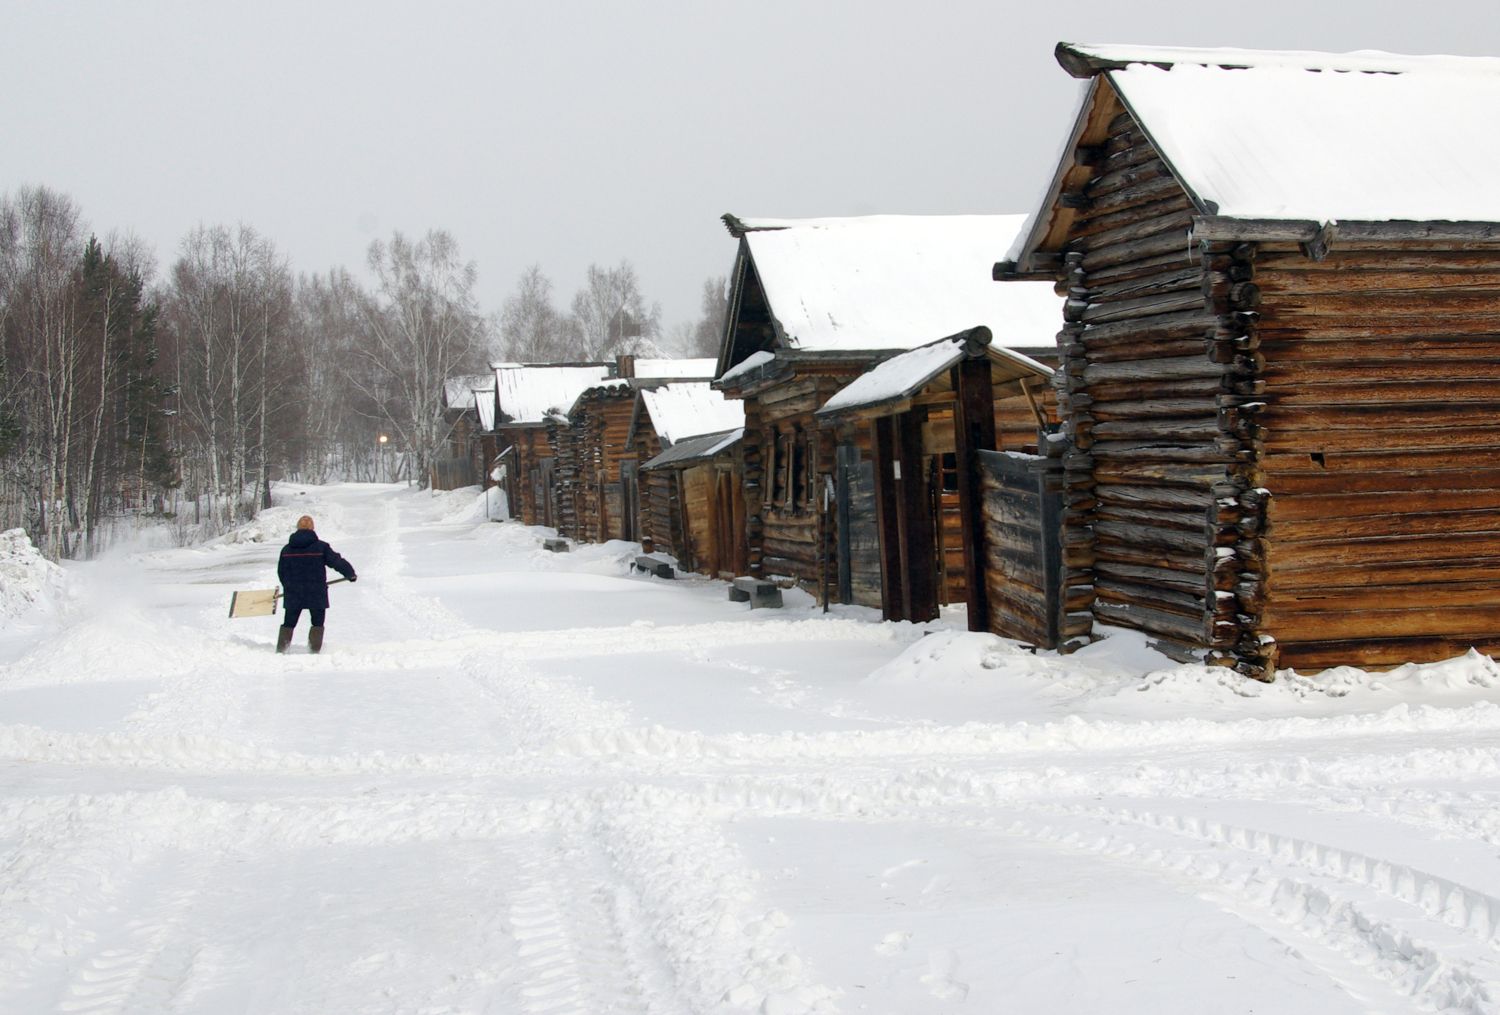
973 431
883 449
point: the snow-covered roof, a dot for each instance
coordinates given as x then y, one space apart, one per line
695 449
458 392
894 281
900 377
651 369
1320 137
484 402
687 409
526 393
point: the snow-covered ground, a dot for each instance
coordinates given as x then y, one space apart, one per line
523 782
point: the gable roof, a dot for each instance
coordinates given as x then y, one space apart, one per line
886 387
1310 138
888 282
526 393
687 409
695 449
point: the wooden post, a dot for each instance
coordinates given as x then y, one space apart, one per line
883 447
917 546
973 431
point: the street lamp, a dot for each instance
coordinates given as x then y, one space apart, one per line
383 439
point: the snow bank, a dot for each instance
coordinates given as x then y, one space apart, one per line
31 586
275 524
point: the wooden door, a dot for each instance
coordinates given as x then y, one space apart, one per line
630 502
858 535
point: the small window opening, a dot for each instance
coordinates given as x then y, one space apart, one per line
1317 456
949 469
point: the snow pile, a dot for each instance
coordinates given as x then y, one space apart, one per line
30 584
961 659
275 524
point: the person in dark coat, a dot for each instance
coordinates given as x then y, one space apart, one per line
305 582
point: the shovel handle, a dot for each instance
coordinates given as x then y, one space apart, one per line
337 580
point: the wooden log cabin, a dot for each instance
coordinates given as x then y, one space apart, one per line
692 488
815 303
597 445
924 408
526 395
468 411
1280 347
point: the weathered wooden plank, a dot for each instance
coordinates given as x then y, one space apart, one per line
1391 623
1440 595
1363 574
1196 499
1187 430
1358 527
1354 439
1177 368
1380 653
1310 377
1131 534
1156 408
1159 323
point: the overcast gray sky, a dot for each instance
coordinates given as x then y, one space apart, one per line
570 133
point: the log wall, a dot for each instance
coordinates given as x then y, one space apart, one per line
1158 387
1382 458
1022 548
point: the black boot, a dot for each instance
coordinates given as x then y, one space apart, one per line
283 638
314 640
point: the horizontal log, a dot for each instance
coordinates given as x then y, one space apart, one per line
1312 376
1161 408
1391 397
1126 391
1427 459
1384 597
1153 621
1186 604
1108 183
1176 368
1193 561
1149 351
1176 222
1130 534
1365 574
1340 441
1193 323
1171 497
1284 556
1471 303
1316 283
1400 416
1144 457
1186 431
1392 623
1348 262
1135 250
1141 306
1351 508
1155 189
1455 523
1188 520
1380 653
1195 582
1175 280
1089 224
1212 227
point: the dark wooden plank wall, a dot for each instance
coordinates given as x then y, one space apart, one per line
857 537
1381 539
1023 548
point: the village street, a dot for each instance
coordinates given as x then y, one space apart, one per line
517 781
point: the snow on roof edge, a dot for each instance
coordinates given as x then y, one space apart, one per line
1087 59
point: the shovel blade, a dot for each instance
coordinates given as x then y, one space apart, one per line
257 603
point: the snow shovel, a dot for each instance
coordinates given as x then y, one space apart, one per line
260 602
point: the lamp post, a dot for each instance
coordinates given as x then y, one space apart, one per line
383 475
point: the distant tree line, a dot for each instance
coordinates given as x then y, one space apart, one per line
128 392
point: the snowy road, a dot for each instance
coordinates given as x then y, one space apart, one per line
525 782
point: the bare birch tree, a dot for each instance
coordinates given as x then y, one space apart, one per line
421 326
611 317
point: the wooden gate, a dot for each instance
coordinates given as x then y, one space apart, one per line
858 534
1022 548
